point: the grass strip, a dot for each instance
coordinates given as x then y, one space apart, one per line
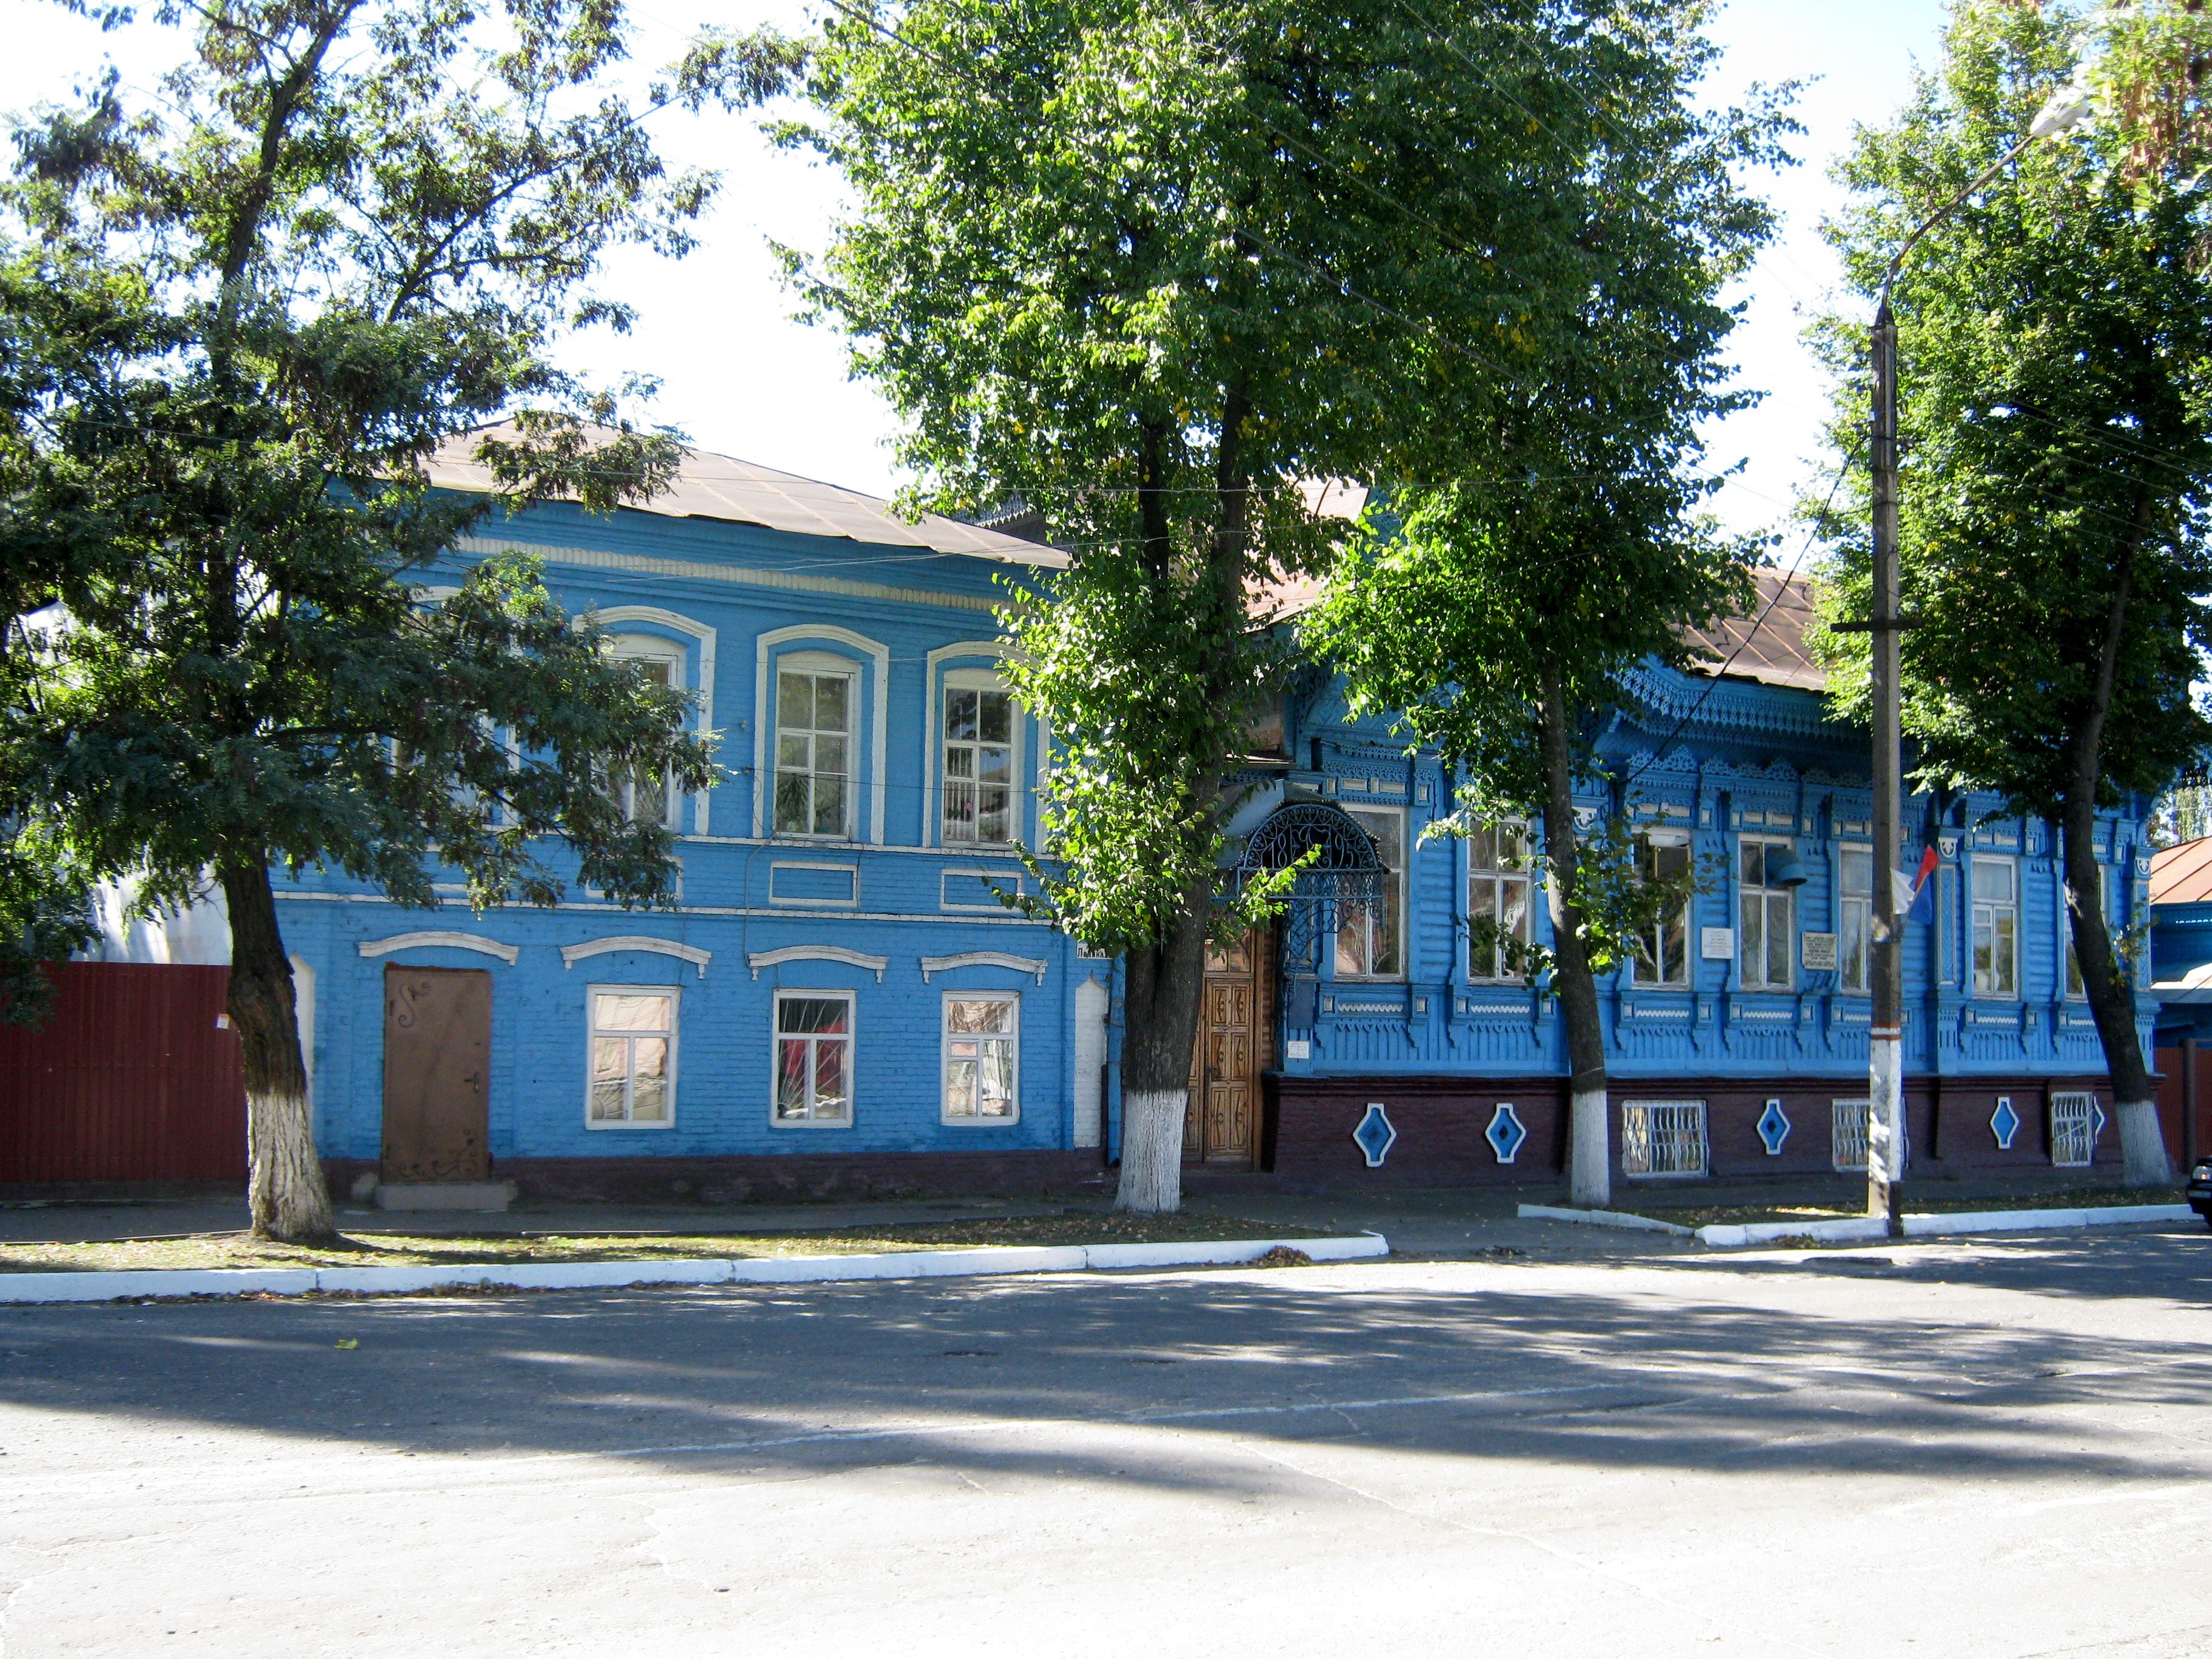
451 1250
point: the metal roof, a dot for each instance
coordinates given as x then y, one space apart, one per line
2183 874
711 486
1775 654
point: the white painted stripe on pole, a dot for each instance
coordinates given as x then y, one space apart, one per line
588 1275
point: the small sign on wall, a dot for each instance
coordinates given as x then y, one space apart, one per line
1718 944
1818 951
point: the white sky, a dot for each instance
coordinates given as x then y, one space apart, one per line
740 377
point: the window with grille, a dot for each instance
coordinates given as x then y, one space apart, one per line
633 1043
1855 919
1370 933
979 764
2073 1131
1499 893
1766 943
813 754
1663 952
814 1059
981 1036
1847 1135
1663 1137
1997 927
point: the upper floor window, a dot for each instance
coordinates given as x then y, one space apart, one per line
1997 927
813 753
1499 892
1768 911
1662 951
980 767
1370 933
647 795
2074 987
1855 919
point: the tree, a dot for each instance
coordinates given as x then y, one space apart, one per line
353 233
1496 612
1149 266
2054 336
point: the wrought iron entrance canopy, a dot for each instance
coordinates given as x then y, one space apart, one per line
1347 869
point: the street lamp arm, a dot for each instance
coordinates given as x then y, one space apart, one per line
1889 276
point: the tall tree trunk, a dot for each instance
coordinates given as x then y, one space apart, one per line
1590 1155
285 1191
1160 1000
2105 981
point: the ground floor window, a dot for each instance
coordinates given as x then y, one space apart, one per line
2073 1131
814 1059
1847 1134
633 1039
982 1033
1663 1137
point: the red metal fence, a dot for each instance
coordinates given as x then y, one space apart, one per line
129 1079
2172 1090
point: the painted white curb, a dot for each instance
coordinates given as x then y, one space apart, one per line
1856 1230
1996 1221
586 1275
1641 1223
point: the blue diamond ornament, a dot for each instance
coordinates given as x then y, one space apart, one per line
1374 1134
1506 1133
1773 1128
2004 1123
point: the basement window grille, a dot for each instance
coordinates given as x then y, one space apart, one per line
1847 1136
2073 1131
1663 1137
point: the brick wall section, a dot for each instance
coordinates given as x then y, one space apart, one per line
788 1178
1441 1121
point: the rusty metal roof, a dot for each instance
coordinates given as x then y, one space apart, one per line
1771 651
2183 874
711 486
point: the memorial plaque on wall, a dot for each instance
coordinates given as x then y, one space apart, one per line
1817 952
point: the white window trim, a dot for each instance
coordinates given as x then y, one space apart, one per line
592 994
878 706
439 940
651 648
982 679
1743 980
1404 974
1659 834
852 1001
1974 902
1836 914
937 677
817 666
1705 1132
614 615
2068 960
1527 874
944 1059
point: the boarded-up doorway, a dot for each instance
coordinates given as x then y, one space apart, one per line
437 1072
1222 1125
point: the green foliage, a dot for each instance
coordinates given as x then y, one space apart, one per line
346 234
1152 267
2055 407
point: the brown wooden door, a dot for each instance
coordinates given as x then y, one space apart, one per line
437 1073
1220 1127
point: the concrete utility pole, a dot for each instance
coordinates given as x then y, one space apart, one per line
1886 1048
2065 109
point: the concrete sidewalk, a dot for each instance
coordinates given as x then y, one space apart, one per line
1443 1222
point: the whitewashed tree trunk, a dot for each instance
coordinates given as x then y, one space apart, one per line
1151 1151
1590 1159
2142 1144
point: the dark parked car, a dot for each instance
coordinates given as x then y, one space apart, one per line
2200 1189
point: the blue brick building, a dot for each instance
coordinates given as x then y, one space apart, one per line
839 992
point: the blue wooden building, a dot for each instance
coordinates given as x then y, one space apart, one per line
1737 1041
839 1002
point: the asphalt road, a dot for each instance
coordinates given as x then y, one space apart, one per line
1997 1449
